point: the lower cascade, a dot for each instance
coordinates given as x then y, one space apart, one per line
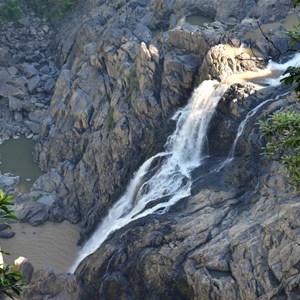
171 181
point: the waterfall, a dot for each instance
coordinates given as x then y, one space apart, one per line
155 189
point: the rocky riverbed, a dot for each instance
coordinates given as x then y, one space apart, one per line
116 88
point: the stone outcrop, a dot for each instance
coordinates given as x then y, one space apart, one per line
49 285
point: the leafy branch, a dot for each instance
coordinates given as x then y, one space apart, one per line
283 131
10 278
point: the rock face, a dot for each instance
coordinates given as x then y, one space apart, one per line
237 236
112 105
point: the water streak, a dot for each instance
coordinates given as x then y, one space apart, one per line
272 66
172 180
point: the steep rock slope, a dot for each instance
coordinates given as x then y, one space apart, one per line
235 238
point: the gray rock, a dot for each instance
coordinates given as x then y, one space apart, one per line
18 117
7 234
12 70
49 85
33 84
29 106
25 267
34 213
54 286
33 126
28 70
24 21
143 33
15 104
45 69
7 90
8 181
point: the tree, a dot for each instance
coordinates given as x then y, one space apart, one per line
10 278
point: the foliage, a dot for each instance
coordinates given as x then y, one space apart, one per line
10 281
53 9
5 212
10 277
10 11
296 2
283 131
293 78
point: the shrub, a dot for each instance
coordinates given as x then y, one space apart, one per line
283 133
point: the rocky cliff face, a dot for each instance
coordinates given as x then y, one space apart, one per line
126 68
237 236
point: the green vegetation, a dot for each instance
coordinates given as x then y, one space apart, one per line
53 9
10 277
10 11
283 129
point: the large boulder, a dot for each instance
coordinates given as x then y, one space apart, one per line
35 213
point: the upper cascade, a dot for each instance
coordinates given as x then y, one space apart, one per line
155 189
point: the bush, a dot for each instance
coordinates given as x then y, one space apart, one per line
10 11
283 132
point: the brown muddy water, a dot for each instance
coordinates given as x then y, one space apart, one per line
16 158
288 23
48 245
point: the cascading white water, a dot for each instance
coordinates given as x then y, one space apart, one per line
272 66
293 62
171 181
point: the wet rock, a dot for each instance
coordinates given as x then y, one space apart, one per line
7 234
8 181
34 213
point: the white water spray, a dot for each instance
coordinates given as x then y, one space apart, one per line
273 66
156 190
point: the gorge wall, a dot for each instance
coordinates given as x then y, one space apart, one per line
120 82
